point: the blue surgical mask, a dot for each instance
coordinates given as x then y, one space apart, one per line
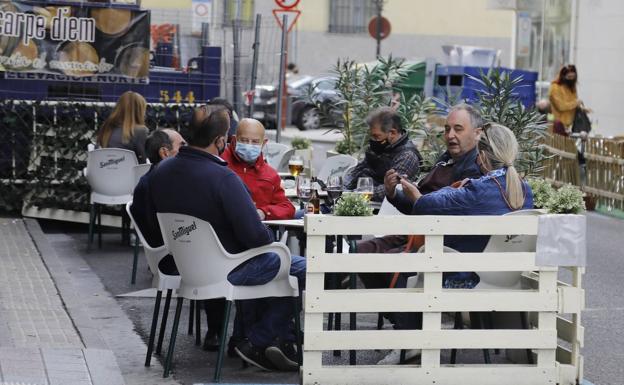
248 152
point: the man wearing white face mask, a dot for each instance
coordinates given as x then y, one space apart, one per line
244 157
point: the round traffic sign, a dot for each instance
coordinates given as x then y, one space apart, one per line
385 28
287 4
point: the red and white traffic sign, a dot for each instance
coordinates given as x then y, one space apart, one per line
293 15
287 4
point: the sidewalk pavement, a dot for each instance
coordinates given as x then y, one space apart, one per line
47 334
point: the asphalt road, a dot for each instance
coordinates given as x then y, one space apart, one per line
603 282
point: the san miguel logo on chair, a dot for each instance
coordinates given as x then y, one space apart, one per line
112 162
183 230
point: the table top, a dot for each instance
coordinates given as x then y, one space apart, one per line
285 223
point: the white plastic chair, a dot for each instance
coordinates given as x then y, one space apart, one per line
274 152
282 166
336 166
110 173
140 170
204 265
160 281
510 280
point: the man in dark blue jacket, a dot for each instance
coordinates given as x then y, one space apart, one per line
198 182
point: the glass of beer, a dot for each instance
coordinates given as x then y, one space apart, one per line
365 187
295 165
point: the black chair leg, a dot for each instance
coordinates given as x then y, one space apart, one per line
163 324
99 217
525 325
297 317
479 320
152 336
172 340
191 317
92 216
458 325
198 322
222 339
135 260
380 321
352 316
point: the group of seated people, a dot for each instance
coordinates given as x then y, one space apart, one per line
219 175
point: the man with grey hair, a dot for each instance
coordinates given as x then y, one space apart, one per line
462 131
389 148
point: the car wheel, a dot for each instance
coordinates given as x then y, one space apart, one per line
309 119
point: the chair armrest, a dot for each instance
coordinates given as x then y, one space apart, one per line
278 248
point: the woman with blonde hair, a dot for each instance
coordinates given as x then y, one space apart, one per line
125 126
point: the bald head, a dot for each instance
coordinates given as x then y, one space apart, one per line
251 130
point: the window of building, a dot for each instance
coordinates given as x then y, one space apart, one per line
246 12
350 16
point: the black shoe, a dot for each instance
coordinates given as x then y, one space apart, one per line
254 356
211 342
284 357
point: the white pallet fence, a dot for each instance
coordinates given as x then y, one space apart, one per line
545 300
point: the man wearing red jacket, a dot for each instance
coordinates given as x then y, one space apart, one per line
244 157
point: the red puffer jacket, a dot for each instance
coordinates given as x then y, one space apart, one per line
264 185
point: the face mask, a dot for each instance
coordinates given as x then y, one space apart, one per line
378 147
221 149
248 152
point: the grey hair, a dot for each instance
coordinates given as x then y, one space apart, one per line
476 120
387 119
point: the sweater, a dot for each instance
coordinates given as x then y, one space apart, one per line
563 102
197 183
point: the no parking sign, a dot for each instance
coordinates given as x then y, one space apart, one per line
202 13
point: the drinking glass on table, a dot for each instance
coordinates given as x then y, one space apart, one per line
334 188
295 165
304 189
365 187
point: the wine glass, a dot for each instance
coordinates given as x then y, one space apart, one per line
304 189
365 187
295 165
334 188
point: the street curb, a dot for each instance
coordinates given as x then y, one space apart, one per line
87 330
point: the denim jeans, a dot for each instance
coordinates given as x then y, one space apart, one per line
267 319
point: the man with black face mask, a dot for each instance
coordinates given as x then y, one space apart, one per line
389 148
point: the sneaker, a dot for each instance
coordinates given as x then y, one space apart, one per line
253 355
394 357
284 357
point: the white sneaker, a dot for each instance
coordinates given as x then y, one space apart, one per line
394 357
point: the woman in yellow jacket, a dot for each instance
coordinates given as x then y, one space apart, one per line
563 99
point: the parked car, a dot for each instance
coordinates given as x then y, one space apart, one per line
304 94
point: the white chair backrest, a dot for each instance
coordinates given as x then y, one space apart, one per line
153 255
274 152
140 170
110 171
336 165
283 163
508 243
